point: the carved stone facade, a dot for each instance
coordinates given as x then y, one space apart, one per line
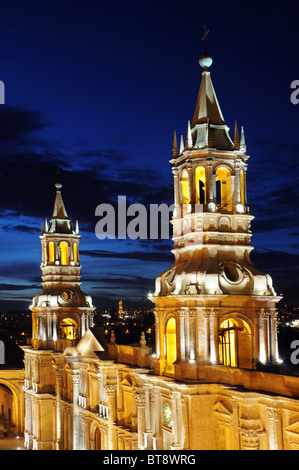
215 323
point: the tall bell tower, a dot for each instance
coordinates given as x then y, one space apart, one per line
61 313
213 306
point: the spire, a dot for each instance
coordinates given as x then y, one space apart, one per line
242 140
236 137
59 211
175 151
207 109
60 222
189 137
182 146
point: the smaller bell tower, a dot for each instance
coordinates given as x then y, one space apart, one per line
62 312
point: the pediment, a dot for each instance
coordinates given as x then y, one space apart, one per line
93 343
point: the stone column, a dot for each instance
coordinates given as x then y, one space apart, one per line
157 419
263 330
274 429
207 334
182 336
192 336
175 422
147 413
160 362
177 212
274 342
214 354
59 409
76 424
184 422
42 334
238 184
191 187
245 184
111 396
250 439
140 404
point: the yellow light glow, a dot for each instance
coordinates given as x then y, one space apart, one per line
200 182
185 187
227 344
75 252
224 176
68 328
51 252
170 345
64 253
242 187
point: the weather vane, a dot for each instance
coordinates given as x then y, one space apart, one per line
205 60
204 38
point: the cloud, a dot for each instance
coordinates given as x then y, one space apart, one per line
17 287
20 228
138 255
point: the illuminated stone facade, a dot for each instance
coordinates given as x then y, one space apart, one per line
215 321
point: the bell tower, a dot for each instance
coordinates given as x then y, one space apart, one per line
61 313
213 306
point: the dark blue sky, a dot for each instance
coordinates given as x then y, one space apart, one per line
96 89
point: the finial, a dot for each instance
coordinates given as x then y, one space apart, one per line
236 137
175 146
242 140
112 337
189 137
205 60
142 339
77 227
58 186
42 228
182 146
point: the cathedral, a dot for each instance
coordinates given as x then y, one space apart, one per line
208 384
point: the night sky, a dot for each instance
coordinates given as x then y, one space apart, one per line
95 89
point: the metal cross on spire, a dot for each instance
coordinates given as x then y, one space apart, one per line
204 38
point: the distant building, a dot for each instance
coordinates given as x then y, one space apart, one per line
215 325
120 310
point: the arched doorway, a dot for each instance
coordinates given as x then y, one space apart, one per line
235 343
98 439
9 410
170 345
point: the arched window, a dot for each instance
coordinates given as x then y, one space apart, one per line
200 182
225 197
64 253
68 328
185 187
235 343
170 345
51 252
